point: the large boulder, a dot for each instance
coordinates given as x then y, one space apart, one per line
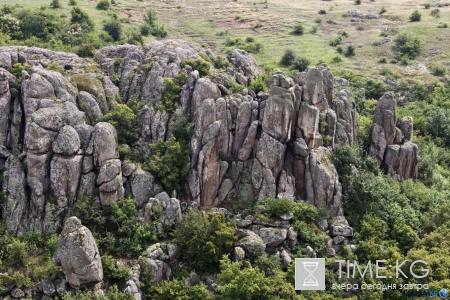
78 255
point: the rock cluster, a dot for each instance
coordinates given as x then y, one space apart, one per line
392 146
54 148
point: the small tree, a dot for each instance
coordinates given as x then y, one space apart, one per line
300 64
407 46
299 29
55 4
150 17
203 240
288 58
350 51
113 28
103 4
415 16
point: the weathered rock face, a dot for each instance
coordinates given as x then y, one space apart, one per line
392 146
77 253
244 146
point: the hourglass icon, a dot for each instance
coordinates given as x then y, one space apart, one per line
310 267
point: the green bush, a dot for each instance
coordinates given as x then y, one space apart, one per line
299 29
437 124
114 29
336 59
288 58
259 84
322 12
125 122
239 280
180 290
336 41
172 90
82 18
55 4
350 51
103 4
203 240
415 16
17 71
300 64
111 271
117 230
169 162
274 207
220 62
202 66
150 17
73 2
383 10
406 45
182 127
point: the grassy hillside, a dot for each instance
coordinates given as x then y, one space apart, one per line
270 22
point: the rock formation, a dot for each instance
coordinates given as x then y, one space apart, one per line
54 147
392 146
77 254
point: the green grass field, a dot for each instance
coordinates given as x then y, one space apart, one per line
208 23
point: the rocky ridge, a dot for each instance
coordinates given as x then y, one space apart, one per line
55 149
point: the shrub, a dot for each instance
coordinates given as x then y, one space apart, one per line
103 4
382 60
437 123
435 12
442 25
133 36
415 16
126 234
299 29
322 12
383 10
172 89
220 62
82 18
314 29
300 64
275 208
55 4
406 45
124 120
17 71
113 28
202 66
288 58
437 70
350 51
357 2
169 162
53 66
257 286
150 17
179 289
111 271
73 2
336 41
427 5
336 59
203 240
159 31
259 84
